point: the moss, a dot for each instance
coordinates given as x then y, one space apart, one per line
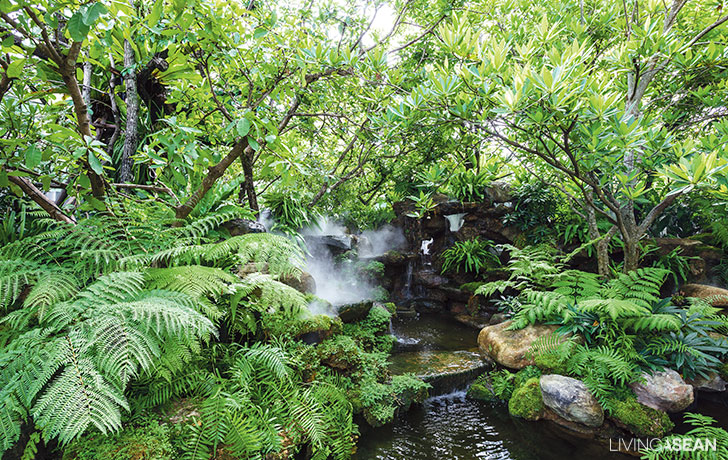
482 390
550 364
724 371
527 401
471 287
148 440
640 419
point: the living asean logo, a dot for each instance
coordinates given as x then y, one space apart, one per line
671 444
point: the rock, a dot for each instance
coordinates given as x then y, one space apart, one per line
718 297
509 348
665 391
237 227
444 370
499 192
527 401
571 399
354 311
430 278
474 322
714 383
303 283
497 318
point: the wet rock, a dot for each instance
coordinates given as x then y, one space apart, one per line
713 383
478 322
444 370
497 318
430 278
428 305
509 348
237 227
302 283
354 311
665 391
571 399
718 297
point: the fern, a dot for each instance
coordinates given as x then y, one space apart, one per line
69 373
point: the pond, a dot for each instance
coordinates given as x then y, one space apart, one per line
451 427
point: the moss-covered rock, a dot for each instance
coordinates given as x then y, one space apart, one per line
381 401
640 419
527 402
723 371
482 390
550 364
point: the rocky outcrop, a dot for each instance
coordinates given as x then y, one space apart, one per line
571 399
444 370
510 348
718 297
237 227
355 311
664 390
712 383
303 283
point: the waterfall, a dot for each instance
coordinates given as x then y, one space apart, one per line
425 247
456 221
407 291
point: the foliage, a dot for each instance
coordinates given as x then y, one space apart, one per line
468 185
470 256
534 212
145 440
703 430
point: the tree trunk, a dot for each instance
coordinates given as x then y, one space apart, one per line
247 160
213 174
631 254
39 197
131 138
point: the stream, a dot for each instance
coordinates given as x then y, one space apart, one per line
451 427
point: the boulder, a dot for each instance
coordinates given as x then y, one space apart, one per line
237 227
718 296
665 391
430 278
303 283
497 318
354 311
571 399
713 383
509 348
499 192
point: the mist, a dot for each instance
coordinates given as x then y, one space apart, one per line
339 278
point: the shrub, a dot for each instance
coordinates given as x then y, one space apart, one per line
470 256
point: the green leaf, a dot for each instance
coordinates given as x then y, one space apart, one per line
95 163
15 68
243 127
93 13
76 27
46 181
253 143
156 13
260 32
32 157
4 182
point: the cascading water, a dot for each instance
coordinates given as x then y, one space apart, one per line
425 249
456 221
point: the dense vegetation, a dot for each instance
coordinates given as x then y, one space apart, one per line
135 324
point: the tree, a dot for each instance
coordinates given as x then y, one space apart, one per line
583 91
